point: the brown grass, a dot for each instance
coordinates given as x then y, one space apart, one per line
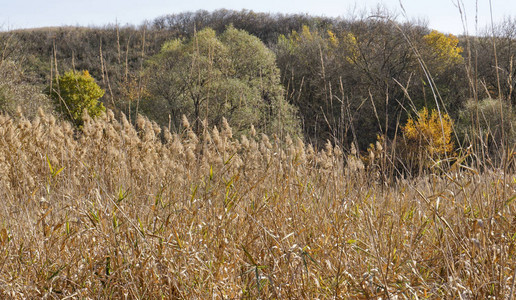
117 213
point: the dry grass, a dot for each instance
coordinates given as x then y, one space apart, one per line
115 212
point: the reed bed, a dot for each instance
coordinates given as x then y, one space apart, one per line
114 211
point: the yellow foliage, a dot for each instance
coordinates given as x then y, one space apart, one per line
332 38
306 33
352 46
445 47
430 133
345 41
294 37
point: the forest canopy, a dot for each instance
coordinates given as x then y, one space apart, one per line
323 79
210 77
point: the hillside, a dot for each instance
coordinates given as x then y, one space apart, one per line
334 71
245 155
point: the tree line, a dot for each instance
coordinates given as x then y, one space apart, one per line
324 79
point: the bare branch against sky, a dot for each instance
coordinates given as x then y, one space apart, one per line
442 15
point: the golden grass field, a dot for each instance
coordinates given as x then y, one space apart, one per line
117 213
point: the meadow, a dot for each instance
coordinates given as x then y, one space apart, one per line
134 212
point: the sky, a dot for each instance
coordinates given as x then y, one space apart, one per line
442 15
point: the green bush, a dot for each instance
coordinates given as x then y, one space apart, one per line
76 92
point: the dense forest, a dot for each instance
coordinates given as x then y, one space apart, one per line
333 79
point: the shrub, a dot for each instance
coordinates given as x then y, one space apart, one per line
76 92
429 136
488 126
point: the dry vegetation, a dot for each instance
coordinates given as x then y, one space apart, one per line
114 212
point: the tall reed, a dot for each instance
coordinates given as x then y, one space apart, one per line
114 211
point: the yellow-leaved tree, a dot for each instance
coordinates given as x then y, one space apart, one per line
429 137
444 49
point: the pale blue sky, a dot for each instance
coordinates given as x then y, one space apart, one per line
440 14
